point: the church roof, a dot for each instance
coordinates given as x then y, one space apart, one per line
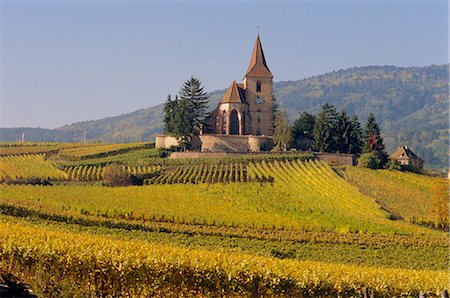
404 153
234 94
258 66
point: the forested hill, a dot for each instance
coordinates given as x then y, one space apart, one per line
410 103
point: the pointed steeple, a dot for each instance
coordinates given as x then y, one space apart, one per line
258 66
232 95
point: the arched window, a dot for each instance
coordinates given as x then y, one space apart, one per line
224 122
258 86
234 123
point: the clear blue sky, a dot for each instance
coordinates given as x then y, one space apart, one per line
66 62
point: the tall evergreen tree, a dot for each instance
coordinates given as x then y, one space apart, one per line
302 131
185 115
193 93
169 114
325 129
355 142
304 126
372 135
373 142
342 133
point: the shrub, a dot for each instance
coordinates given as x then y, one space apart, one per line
393 164
115 176
29 180
370 160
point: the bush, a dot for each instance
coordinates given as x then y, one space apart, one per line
162 153
115 176
143 179
370 160
30 180
393 164
409 168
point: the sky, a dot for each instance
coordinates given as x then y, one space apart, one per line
68 61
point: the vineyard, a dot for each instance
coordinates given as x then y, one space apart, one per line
410 196
28 165
250 225
100 266
95 173
78 153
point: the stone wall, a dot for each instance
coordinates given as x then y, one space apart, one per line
220 143
234 143
196 154
164 141
336 158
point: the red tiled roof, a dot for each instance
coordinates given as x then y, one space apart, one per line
404 153
258 66
233 94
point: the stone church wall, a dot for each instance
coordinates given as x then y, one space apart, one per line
220 143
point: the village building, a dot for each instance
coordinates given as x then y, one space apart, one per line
243 120
405 156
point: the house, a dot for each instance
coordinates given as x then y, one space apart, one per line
405 156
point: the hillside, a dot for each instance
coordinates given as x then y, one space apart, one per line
280 225
410 103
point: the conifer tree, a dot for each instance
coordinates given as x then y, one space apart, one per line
373 142
184 116
302 131
355 142
303 126
372 135
325 129
342 133
169 114
193 93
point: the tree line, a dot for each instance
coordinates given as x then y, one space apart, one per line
330 131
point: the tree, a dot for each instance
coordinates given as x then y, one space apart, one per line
343 132
355 142
303 127
169 114
372 135
282 135
275 107
185 116
193 93
325 129
373 142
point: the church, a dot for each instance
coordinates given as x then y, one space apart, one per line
247 108
243 120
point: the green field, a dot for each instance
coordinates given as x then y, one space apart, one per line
261 225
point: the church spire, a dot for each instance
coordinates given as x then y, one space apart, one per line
258 66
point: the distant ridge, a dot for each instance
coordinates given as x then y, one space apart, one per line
411 103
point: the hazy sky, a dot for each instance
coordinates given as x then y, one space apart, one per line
63 62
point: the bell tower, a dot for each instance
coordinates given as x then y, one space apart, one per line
258 82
